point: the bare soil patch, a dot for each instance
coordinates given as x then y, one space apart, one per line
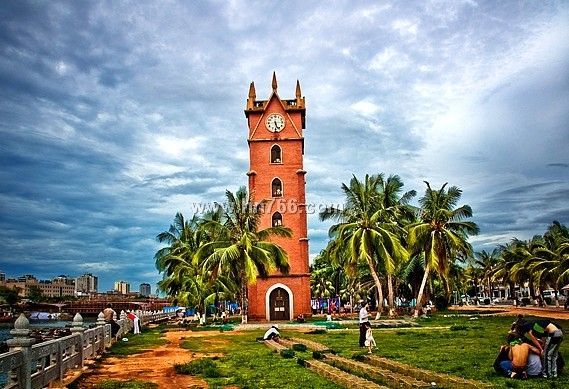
155 365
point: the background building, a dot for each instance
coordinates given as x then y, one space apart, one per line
122 287
86 284
145 289
60 286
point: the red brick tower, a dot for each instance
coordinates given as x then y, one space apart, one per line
276 174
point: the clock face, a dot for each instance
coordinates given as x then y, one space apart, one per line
275 122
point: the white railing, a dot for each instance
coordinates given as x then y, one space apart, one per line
34 366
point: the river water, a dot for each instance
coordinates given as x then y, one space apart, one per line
6 327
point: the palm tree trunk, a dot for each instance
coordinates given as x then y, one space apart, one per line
421 291
244 303
390 296
378 287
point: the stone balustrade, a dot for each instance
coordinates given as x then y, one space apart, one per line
30 366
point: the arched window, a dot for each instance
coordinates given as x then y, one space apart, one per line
276 154
277 219
277 188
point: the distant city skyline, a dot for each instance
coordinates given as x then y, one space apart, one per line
86 282
116 115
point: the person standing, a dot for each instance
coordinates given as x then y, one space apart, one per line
364 321
370 341
552 336
135 322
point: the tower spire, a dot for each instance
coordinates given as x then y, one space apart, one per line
298 92
274 81
252 93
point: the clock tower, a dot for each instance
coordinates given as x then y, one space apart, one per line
276 175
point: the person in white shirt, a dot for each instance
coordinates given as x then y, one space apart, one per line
364 319
272 333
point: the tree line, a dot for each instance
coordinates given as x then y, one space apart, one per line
380 245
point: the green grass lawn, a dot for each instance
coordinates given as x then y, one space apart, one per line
468 349
250 364
134 384
148 338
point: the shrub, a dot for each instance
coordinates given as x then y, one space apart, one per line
211 372
301 362
299 347
317 355
287 353
360 357
458 327
203 366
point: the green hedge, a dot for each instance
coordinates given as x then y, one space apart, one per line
287 353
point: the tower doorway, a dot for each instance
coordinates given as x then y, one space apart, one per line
279 307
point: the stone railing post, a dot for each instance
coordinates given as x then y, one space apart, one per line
101 319
101 323
123 323
77 328
21 341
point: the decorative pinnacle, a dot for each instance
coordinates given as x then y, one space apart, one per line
252 93
77 320
22 323
298 92
274 81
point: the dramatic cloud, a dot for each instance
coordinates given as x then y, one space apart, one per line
114 116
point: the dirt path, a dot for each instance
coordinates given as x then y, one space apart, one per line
551 313
155 365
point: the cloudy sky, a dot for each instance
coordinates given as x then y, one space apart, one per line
116 115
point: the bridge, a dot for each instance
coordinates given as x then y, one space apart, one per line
93 307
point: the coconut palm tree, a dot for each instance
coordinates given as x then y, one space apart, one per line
366 231
515 255
183 239
398 210
192 285
488 262
441 233
240 250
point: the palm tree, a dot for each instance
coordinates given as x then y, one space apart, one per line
192 285
488 262
515 254
474 276
183 239
365 230
398 210
441 233
240 250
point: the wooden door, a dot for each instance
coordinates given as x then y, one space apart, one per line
279 305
